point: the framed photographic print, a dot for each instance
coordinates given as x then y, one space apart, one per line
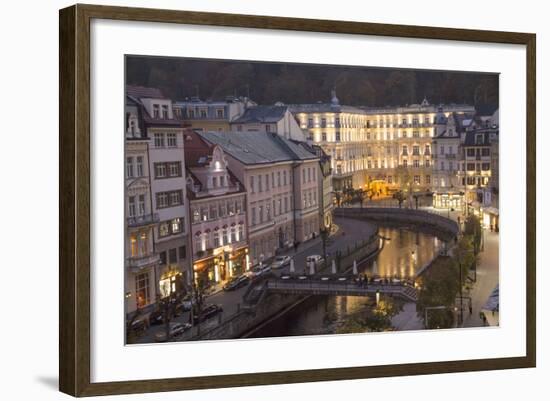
250 200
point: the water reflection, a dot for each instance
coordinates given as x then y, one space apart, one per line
403 254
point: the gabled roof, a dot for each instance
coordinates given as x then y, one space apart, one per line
197 151
143 92
258 147
262 114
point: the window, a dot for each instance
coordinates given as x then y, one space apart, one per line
303 176
323 122
175 198
175 169
176 226
203 113
405 163
252 184
253 216
485 166
160 170
428 179
162 256
451 150
427 163
416 163
450 166
165 112
139 166
390 179
182 252
337 137
132 206
268 128
261 213
141 205
427 150
470 166
416 179
171 140
416 134
308 174
159 140
310 122
470 152
479 139
471 181
156 111
162 200
278 178
286 204
323 136
219 113
129 167
142 290
442 166
172 256
267 182
284 177
164 229
442 150
217 239
241 232
485 152
405 151
416 150
260 188
196 215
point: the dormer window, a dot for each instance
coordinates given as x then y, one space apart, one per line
479 139
165 112
219 113
222 181
156 111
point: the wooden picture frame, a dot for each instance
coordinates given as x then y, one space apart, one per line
74 203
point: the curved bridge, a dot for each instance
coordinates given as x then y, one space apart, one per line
304 285
420 218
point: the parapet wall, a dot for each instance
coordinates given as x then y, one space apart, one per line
447 228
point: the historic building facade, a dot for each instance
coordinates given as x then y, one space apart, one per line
141 260
211 115
368 145
281 180
163 168
217 210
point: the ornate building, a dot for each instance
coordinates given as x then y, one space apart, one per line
217 204
368 145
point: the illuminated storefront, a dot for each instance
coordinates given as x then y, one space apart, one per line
170 283
222 266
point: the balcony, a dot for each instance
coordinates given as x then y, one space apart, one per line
143 220
141 262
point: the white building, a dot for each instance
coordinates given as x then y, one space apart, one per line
282 180
166 168
273 119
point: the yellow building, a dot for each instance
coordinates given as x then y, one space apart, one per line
368 145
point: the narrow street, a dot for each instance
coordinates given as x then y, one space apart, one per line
349 233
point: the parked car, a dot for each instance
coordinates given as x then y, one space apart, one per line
187 304
280 261
316 259
236 283
176 329
207 312
259 270
156 317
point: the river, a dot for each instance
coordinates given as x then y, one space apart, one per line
403 254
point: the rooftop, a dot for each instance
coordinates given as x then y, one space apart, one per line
258 147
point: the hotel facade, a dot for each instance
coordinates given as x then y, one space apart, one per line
368 145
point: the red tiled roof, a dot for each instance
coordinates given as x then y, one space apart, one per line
195 148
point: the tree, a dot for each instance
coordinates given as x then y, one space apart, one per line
197 299
325 232
438 288
372 319
405 182
400 197
360 195
338 197
472 228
